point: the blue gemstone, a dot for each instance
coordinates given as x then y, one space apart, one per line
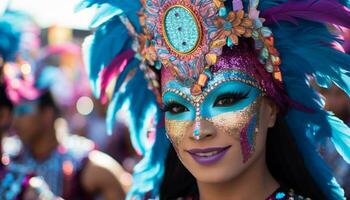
196 132
222 12
280 195
229 42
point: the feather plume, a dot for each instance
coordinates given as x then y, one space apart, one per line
324 11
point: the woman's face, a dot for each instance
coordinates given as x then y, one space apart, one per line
232 117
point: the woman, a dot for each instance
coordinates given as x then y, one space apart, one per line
233 94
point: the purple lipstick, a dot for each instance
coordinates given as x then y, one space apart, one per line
208 156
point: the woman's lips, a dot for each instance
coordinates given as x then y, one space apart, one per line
208 155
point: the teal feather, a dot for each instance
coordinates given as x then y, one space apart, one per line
100 48
306 51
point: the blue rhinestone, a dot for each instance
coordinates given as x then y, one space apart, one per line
229 42
196 132
280 195
222 12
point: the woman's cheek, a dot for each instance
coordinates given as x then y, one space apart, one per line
177 129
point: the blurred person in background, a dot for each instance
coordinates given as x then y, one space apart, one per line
15 181
69 163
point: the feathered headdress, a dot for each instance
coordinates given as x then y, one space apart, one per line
294 41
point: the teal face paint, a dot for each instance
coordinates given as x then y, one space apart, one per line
240 94
228 102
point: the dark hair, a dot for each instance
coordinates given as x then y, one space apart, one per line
283 159
47 101
4 100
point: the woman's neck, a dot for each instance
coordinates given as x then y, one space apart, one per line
255 183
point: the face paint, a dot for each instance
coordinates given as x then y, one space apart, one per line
176 130
247 138
234 119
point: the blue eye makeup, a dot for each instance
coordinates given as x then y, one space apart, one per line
177 108
229 99
230 96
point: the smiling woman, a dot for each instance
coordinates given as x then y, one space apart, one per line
219 100
235 118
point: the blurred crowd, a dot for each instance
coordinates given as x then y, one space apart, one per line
54 139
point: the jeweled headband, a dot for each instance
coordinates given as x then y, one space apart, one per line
188 37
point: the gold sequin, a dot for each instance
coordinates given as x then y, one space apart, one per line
176 129
232 123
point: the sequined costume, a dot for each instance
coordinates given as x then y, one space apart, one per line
279 194
62 169
13 182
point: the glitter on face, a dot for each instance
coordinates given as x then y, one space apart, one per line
234 123
177 129
247 139
231 122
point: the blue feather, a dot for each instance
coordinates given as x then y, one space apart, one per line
10 35
306 51
99 49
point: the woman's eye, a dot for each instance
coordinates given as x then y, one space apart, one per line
175 108
227 100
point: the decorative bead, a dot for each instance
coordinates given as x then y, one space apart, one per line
196 131
222 12
202 80
269 68
208 73
277 76
211 58
196 90
229 42
264 53
269 41
218 3
280 195
218 43
266 32
275 60
237 5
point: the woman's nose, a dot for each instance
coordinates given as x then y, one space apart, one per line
206 130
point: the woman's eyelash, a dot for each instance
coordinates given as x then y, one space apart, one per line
236 96
169 105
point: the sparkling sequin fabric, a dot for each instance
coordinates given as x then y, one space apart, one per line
13 181
279 194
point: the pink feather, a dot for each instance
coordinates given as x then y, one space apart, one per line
117 65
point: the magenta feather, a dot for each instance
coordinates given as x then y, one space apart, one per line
330 11
113 70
